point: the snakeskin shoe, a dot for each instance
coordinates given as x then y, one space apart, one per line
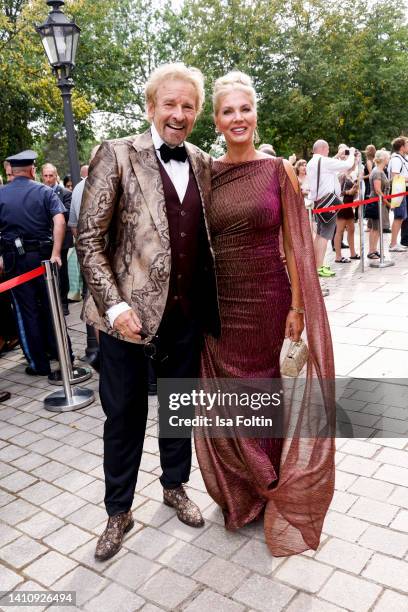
111 540
187 511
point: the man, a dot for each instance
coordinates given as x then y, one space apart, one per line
27 212
328 183
398 165
145 253
49 176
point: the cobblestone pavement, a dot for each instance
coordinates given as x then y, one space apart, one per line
51 494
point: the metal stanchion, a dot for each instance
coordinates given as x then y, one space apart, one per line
77 374
360 214
382 262
65 399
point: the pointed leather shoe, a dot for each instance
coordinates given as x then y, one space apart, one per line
187 511
110 541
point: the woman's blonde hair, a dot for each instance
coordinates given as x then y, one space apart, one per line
381 156
234 80
173 72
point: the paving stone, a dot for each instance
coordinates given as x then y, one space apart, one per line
39 425
84 582
351 592
63 453
73 481
392 473
264 594
390 600
51 471
375 489
45 446
303 573
388 571
181 531
8 534
10 452
149 542
66 539
359 466
362 449
153 513
22 551
115 598
40 525
85 462
221 575
94 492
132 571
184 558
17 481
64 504
6 498
219 541
40 492
399 497
373 511
49 568
30 585
385 541
343 480
208 601
343 527
400 523
310 603
29 462
255 555
8 579
344 555
17 511
88 517
342 501
168 589
394 457
25 438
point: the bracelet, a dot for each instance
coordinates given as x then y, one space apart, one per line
298 310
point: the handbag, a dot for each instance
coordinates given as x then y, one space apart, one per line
295 359
398 186
331 199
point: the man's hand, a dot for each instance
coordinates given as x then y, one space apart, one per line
56 259
128 325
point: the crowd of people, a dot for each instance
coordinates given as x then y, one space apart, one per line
202 267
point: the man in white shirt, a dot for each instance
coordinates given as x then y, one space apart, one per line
146 257
398 165
328 183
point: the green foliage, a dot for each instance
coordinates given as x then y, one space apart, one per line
322 69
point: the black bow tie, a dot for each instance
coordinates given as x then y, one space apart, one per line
178 153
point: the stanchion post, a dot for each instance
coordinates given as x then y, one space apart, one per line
382 262
66 398
360 214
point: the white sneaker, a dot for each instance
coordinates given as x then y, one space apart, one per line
398 248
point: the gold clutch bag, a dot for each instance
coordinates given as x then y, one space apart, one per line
295 359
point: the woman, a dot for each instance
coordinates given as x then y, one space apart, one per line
379 186
254 196
368 166
345 217
300 169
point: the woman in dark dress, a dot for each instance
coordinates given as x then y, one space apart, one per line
291 481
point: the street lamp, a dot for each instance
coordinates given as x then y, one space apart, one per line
59 37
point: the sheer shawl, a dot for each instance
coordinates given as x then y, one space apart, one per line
296 507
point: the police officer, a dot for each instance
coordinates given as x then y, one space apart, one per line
32 228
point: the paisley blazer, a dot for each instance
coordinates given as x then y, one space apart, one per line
123 240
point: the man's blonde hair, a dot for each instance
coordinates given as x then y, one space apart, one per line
173 72
232 81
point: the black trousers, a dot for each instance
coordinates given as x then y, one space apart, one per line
404 232
123 392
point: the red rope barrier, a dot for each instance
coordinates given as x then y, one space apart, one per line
358 203
23 278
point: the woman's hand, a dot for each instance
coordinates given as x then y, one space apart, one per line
295 324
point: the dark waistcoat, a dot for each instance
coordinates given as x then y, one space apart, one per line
187 242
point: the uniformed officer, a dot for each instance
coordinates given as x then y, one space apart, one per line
32 228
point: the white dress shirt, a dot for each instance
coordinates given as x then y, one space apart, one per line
398 164
179 175
329 170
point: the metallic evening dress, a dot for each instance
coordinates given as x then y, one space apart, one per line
291 481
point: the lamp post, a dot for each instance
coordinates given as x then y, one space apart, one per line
59 37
